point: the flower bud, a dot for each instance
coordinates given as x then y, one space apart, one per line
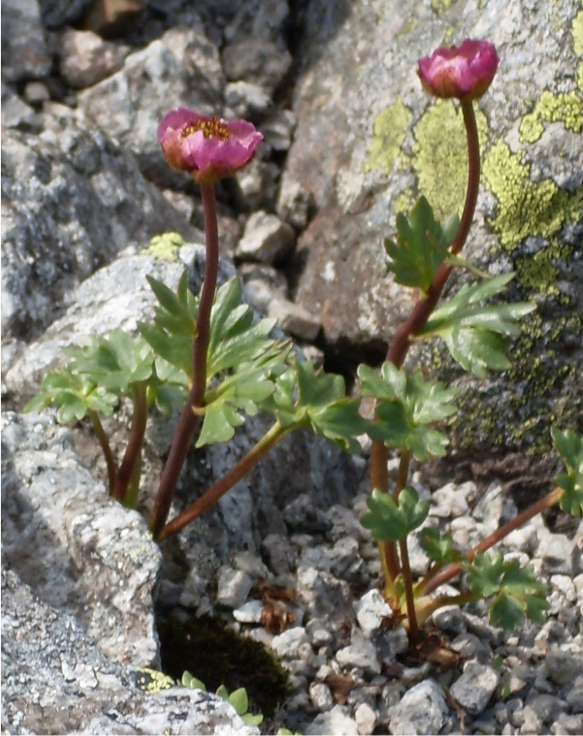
210 148
465 72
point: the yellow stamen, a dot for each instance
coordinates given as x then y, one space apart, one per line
210 128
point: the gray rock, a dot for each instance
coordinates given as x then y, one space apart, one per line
422 710
56 680
566 724
319 633
86 59
278 553
257 183
233 587
301 516
247 100
291 643
361 653
475 687
547 707
266 239
265 20
24 51
262 285
249 613
366 719
35 93
59 13
260 62
278 130
563 667
181 68
346 562
295 320
575 695
16 113
324 595
559 553
335 721
77 548
321 696
294 205
370 611
115 296
72 201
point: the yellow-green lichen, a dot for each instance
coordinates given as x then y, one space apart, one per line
565 107
525 208
440 155
440 6
538 272
389 130
403 202
577 33
152 681
164 246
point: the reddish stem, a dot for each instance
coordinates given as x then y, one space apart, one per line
122 490
218 489
106 447
450 571
189 420
423 309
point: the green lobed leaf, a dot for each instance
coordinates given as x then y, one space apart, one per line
391 521
515 590
439 547
73 396
421 246
475 335
570 448
316 400
114 362
406 405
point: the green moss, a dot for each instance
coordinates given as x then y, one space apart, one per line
389 130
218 656
440 155
525 208
565 107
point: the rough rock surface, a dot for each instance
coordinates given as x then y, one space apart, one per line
79 550
56 680
363 142
72 200
369 141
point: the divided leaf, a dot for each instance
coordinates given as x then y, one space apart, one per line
421 246
439 547
406 405
305 397
114 362
570 448
475 335
174 326
391 521
515 590
73 395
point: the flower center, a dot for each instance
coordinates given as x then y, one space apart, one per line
210 128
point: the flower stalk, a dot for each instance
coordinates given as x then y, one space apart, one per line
275 434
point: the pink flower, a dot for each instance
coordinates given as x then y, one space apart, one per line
465 72
210 148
